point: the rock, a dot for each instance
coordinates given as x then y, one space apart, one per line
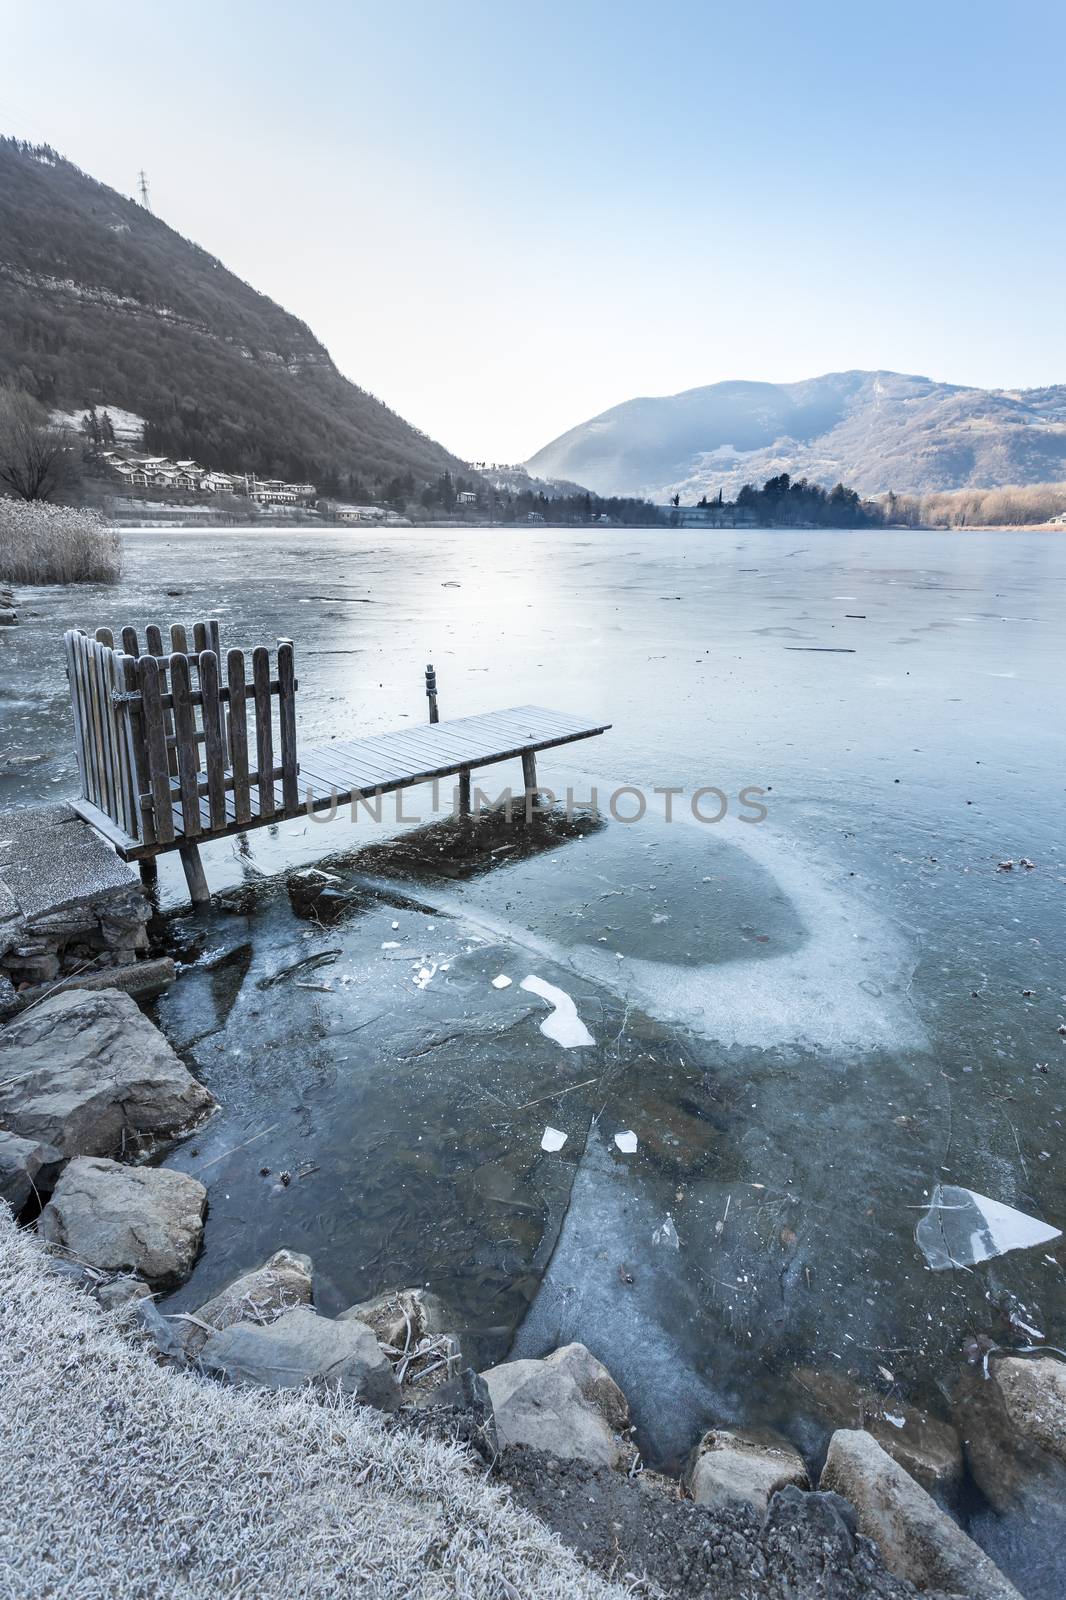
918 1541
734 1467
567 1405
145 1220
120 1291
279 1285
396 1311
8 618
412 1328
930 1450
1013 1427
303 1348
1034 1398
834 1523
88 1073
26 1166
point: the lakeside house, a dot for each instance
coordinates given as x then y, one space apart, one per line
338 512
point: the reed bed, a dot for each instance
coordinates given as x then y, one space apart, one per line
41 543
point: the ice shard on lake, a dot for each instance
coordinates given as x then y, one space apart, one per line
962 1228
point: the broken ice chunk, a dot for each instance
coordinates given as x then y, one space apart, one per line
962 1228
391 944
564 1025
553 1139
424 976
666 1234
626 1142
502 982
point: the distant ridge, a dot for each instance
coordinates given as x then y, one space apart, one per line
875 431
101 302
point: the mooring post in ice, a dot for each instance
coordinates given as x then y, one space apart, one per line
431 692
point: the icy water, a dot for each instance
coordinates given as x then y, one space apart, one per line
808 1022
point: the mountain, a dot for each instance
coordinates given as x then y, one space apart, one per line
102 303
874 431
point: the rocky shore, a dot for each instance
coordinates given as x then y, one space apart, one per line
89 1089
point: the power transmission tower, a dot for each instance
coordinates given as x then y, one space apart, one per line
142 183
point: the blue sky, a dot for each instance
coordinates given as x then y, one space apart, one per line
503 219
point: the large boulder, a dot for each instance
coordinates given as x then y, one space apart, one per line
734 1467
86 1072
926 1447
26 1165
301 1348
143 1220
918 1540
280 1284
567 1405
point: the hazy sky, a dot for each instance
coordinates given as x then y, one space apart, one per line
503 218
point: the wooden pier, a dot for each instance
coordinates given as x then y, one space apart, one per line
172 754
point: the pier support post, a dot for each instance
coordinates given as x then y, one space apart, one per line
464 793
529 777
148 867
431 692
199 893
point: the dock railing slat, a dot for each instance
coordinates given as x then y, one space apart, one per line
264 734
188 750
214 756
153 730
238 735
290 787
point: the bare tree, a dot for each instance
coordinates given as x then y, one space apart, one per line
37 460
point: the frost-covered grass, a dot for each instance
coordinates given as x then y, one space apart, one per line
41 543
123 1479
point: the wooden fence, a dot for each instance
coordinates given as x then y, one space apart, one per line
163 744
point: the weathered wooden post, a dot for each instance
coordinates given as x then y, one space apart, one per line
529 773
431 692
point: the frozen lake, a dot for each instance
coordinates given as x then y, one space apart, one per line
808 1022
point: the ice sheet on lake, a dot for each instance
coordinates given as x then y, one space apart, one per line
962 1228
564 1025
847 987
553 1139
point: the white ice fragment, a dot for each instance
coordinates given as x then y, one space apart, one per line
502 982
424 975
395 925
391 944
962 1228
659 917
666 1234
317 872
564 1025
897 1422
626 1142
553 1139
